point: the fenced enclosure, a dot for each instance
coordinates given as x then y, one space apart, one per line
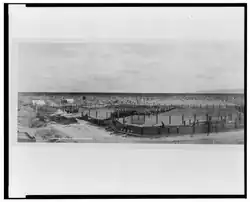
167 124
164 119
213 127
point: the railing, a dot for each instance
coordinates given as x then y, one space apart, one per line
196 128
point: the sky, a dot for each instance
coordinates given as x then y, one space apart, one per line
144 50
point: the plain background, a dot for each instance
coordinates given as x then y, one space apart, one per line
161 50
130 168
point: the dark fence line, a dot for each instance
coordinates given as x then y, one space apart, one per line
209 126
205 128
197 128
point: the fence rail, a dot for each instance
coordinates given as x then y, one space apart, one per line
195 128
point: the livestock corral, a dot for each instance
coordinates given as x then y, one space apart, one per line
129 116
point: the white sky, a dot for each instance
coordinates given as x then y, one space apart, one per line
129 49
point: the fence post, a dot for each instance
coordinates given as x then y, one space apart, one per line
182 117
169 119
178 131
208 125
156 117
96 114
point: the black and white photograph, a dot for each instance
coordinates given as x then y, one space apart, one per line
177 79
166 76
